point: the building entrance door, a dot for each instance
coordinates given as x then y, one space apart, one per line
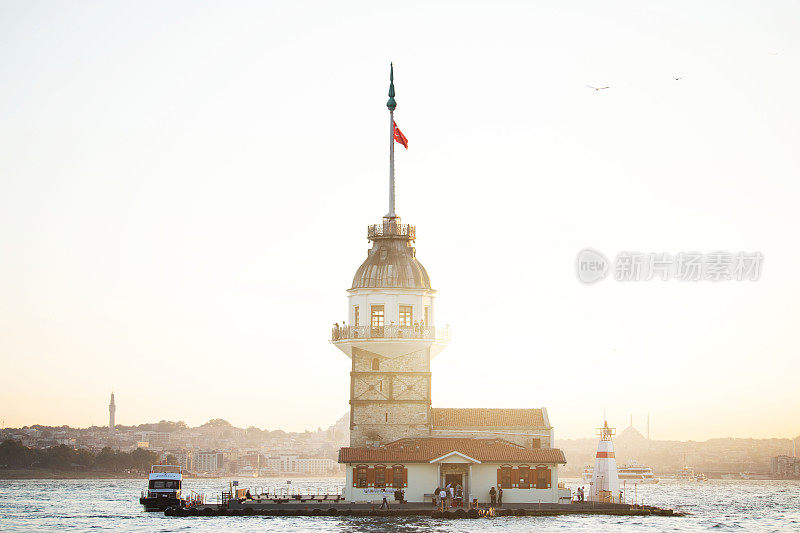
454 480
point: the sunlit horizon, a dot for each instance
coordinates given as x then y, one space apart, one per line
185 190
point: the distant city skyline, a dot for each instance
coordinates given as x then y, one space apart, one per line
181 215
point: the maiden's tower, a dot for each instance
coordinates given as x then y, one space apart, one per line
397 439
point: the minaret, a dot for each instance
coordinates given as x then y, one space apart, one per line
605 479
112 410
391 337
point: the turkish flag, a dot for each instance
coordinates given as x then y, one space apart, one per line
399 137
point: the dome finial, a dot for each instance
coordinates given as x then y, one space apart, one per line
391 104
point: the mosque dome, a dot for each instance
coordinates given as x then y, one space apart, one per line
392 261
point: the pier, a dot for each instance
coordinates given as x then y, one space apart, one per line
321 508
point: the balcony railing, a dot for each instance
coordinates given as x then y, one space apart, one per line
440 333
389 229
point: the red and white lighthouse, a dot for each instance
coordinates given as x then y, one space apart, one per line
605 479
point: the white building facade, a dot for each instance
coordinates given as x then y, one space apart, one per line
208 461
293 464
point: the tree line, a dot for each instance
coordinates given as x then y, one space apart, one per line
13 454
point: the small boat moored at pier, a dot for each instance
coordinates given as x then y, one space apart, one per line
163 488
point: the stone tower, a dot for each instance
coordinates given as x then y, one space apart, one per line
391 335
112 411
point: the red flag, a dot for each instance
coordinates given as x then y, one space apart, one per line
399 137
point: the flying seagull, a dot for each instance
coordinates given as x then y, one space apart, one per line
597 88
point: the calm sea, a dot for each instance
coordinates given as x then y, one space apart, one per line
112 505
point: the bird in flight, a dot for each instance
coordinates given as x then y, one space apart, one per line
598 88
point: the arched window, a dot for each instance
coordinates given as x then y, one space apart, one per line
376 364
399 476
504 477
380 476
524 477
360 477
543 478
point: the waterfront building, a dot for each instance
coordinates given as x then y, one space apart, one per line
154 439
294 464
208 461
785 467
397 439
112 411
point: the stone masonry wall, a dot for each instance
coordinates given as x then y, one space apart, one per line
392 402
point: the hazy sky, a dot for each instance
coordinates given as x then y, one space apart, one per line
185 189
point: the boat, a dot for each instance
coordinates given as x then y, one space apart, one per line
688 474
636 473
163 488
586 475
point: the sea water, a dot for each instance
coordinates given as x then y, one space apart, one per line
113 505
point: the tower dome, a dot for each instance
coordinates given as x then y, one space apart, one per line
392 261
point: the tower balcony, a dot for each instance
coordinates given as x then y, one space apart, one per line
437 333
392 339
389 228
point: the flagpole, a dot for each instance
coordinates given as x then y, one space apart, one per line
391 104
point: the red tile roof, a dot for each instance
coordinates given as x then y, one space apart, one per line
424 450
452 418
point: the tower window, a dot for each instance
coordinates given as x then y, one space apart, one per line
376 319
355 316
376 364
406 315
426 318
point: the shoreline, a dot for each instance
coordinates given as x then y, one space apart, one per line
12 474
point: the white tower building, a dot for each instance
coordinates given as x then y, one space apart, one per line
392 335
605 479
112 411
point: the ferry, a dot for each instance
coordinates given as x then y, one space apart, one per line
637 473
163 488
688 474
633 472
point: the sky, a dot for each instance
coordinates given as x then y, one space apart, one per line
185 186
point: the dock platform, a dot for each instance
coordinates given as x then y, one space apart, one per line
249 508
